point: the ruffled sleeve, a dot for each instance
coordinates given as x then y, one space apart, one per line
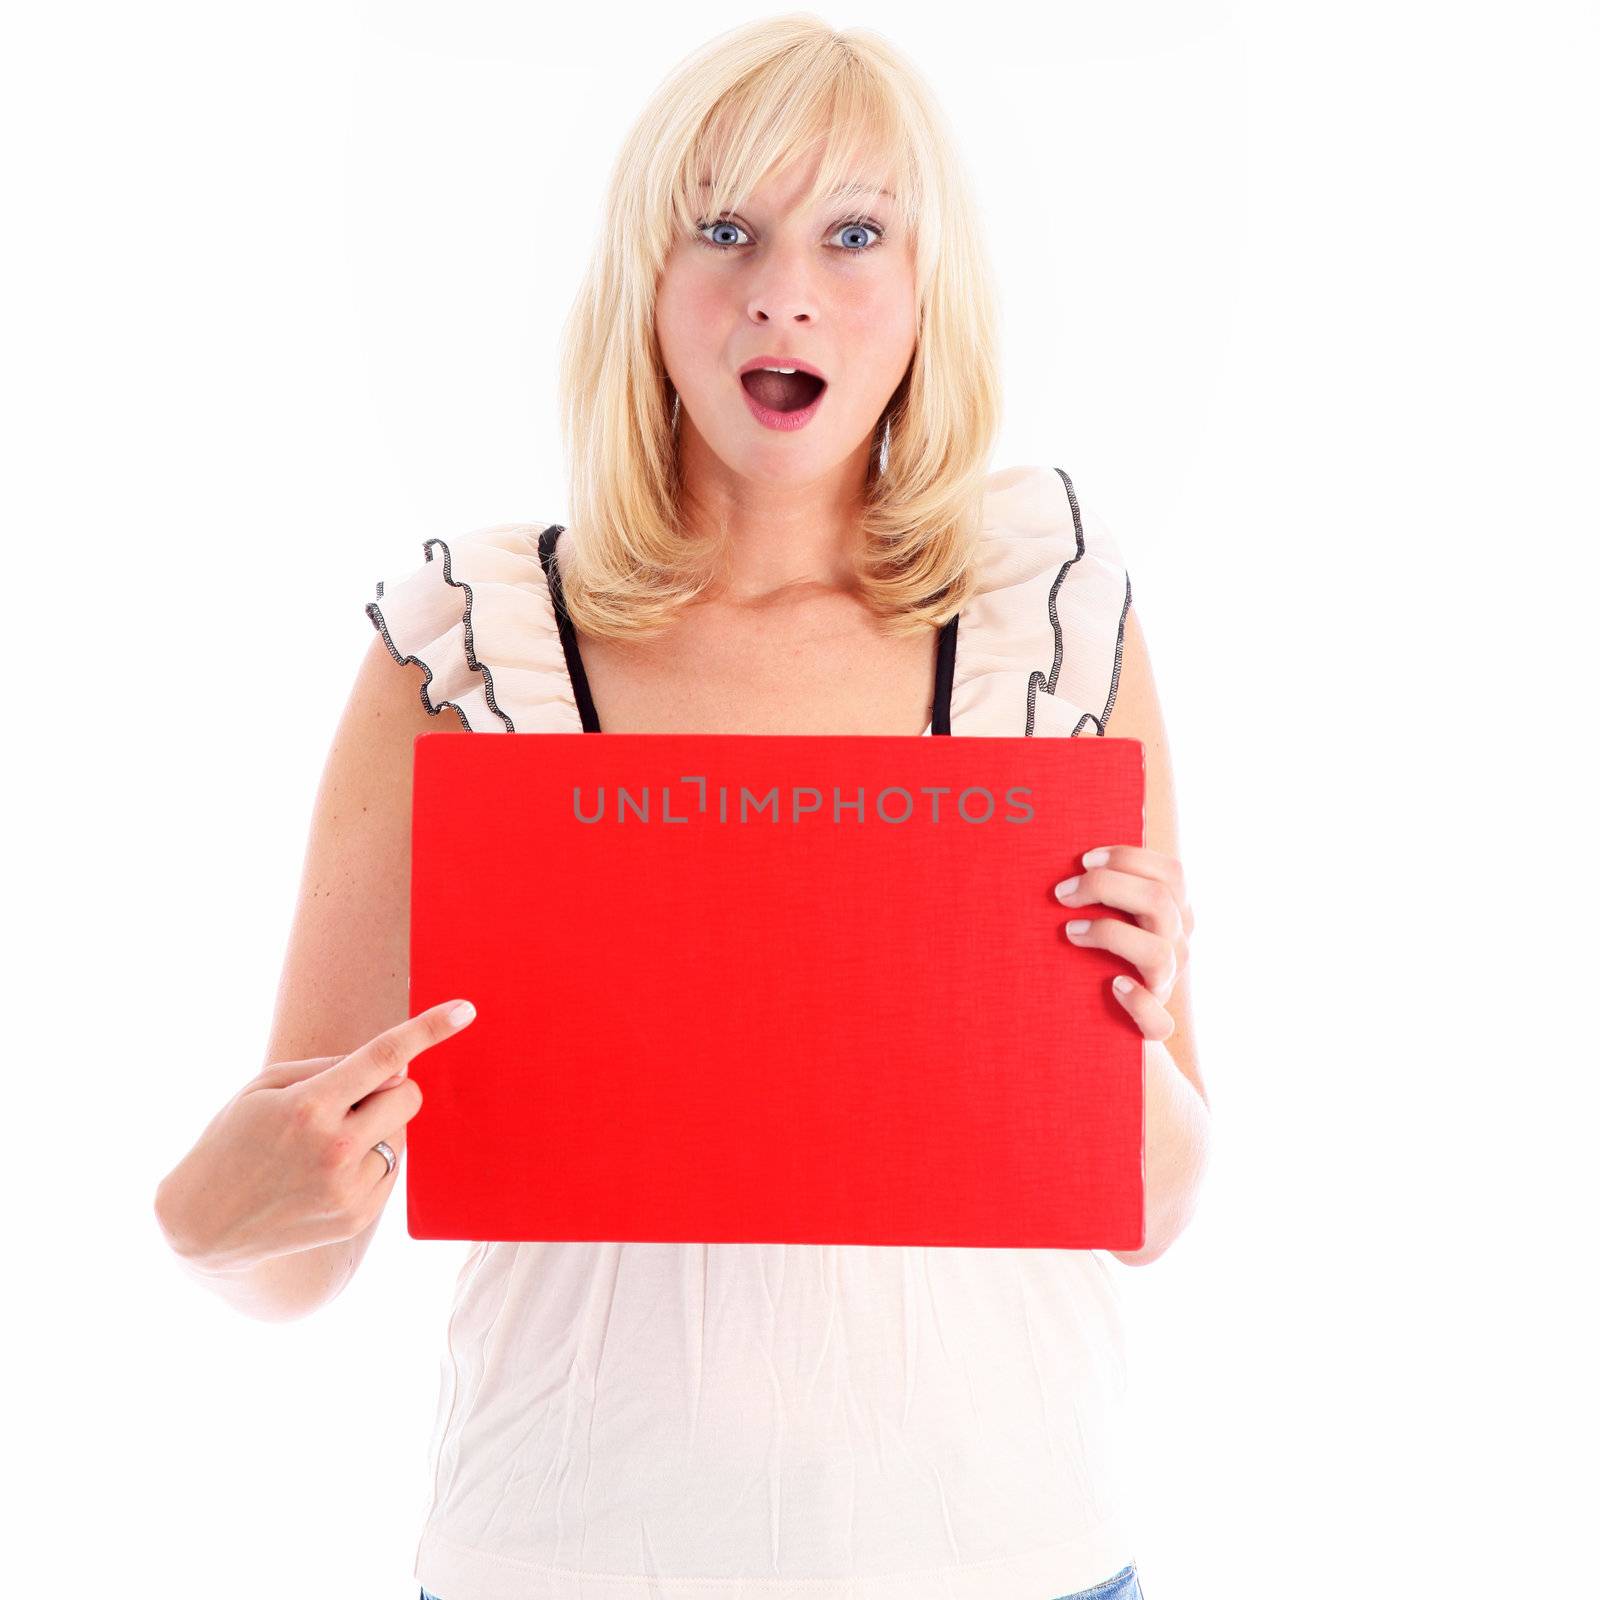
478 618
1039 645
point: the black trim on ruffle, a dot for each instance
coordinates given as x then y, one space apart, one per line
375 616
1036 679
1116 665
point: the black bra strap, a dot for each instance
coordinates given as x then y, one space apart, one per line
569 636
945 676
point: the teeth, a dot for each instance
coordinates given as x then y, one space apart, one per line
790 370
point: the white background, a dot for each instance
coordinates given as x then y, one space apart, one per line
1302 297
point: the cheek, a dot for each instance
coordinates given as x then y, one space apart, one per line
882 325
689 314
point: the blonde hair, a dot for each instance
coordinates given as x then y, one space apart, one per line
751 102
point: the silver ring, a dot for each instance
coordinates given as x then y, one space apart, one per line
386 1150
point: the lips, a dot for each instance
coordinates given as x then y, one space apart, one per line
782 391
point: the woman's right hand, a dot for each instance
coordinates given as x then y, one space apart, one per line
289 1163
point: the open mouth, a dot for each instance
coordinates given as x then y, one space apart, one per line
783 391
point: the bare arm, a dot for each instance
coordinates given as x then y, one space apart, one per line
280 1289
1177 1111
345 973
1177 1142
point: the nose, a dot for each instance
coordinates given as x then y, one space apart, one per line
768 308
780 292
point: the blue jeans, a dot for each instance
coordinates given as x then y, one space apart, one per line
1124 1586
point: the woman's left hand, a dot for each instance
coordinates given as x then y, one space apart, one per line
1150 886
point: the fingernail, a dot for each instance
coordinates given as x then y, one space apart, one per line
1064 889
1097 858
462 1014
1123 984
1080 926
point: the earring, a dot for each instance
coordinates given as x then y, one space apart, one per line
674 410
883 449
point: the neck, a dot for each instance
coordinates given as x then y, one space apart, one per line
780 540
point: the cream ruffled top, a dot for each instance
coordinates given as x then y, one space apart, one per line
690 1421
1038 647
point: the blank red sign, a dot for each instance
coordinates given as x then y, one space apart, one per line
754 988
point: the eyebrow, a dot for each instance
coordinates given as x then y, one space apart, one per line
848 189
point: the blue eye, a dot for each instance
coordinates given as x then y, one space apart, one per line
721 222
856 225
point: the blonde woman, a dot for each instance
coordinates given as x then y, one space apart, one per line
751 549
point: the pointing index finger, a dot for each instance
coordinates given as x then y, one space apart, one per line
389 1053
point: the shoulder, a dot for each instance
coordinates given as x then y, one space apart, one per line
475 614
1042 509
1041 636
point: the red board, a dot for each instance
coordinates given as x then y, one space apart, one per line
714 1005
